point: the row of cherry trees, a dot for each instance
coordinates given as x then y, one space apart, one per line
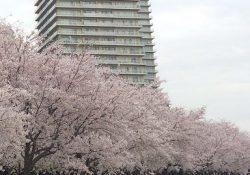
62 111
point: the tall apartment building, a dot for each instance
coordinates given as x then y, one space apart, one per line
118 33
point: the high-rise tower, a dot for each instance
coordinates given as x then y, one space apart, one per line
117 31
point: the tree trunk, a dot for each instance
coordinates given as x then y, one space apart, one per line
19 169
27 170
28 160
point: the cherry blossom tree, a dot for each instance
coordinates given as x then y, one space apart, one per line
219 146
68 100
74 110
63 111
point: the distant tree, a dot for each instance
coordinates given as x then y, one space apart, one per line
219 146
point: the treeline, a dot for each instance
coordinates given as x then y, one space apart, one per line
61 111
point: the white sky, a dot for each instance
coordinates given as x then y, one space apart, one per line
203 50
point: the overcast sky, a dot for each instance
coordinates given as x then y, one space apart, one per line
203 51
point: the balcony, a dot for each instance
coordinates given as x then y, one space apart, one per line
115 52
149 50
150 64
145 23
90 33
41 18
43 8
149 57
152 71
37 2
98 15
99 24
49 30
45 25
120 62
145 10
150 77
39 5
130 72
107 43
97 6
146 30
145 3
104 52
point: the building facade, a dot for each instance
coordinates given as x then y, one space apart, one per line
118 33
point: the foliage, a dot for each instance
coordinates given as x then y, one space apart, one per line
63 111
